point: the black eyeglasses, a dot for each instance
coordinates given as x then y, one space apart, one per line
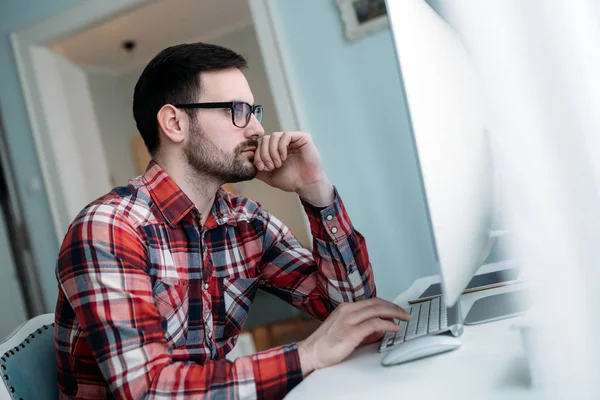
240 112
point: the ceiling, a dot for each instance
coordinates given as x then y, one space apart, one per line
153 26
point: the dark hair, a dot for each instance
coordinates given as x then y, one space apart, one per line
172 77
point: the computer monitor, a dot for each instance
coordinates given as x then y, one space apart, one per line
447 121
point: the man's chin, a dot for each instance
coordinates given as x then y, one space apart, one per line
246 175
250 169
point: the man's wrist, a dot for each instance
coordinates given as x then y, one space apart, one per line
305 359
320 194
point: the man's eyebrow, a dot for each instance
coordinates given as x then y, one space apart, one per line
244 101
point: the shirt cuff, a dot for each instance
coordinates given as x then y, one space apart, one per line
276 371
330 223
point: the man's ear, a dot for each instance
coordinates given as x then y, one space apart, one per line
173 122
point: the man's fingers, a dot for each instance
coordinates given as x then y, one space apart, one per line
274 148
352 308
284 142
381 310
371 326
298 139
258 159
264 152
373 338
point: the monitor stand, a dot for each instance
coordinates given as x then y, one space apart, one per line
455 323
498 306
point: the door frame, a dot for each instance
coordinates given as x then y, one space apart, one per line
19 245
87 13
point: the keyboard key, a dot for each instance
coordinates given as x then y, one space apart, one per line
386 343
411 329
388 335
443 317
399 337
434 316
423 319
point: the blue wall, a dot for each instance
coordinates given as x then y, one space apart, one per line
16 15
350 95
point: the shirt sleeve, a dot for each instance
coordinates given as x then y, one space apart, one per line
102 272
338 270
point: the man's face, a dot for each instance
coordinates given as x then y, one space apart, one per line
215 146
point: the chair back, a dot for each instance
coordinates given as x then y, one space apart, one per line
28 361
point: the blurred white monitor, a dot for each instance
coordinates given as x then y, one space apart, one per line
446 116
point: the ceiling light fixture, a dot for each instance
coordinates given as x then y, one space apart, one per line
128 45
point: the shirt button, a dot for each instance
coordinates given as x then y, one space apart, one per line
206 286
329 217
334 230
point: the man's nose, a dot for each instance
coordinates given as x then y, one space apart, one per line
254 130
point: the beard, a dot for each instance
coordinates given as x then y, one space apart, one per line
206 158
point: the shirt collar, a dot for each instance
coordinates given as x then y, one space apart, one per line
174 204
221 209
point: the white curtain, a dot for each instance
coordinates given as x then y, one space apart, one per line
539 62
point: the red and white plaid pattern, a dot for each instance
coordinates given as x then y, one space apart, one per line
150 301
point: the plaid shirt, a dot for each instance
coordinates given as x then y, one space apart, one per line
150 301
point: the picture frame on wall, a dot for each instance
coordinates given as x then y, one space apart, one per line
362 17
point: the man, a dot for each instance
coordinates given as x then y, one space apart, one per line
156 279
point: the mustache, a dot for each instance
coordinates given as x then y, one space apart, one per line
249 145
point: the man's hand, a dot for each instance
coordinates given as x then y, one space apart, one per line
291 162
345 329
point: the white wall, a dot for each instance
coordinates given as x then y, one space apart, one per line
115 122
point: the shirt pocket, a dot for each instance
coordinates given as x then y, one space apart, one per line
172 302
237 298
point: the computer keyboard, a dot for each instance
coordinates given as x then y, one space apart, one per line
428 317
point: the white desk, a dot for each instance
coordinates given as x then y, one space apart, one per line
490 364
